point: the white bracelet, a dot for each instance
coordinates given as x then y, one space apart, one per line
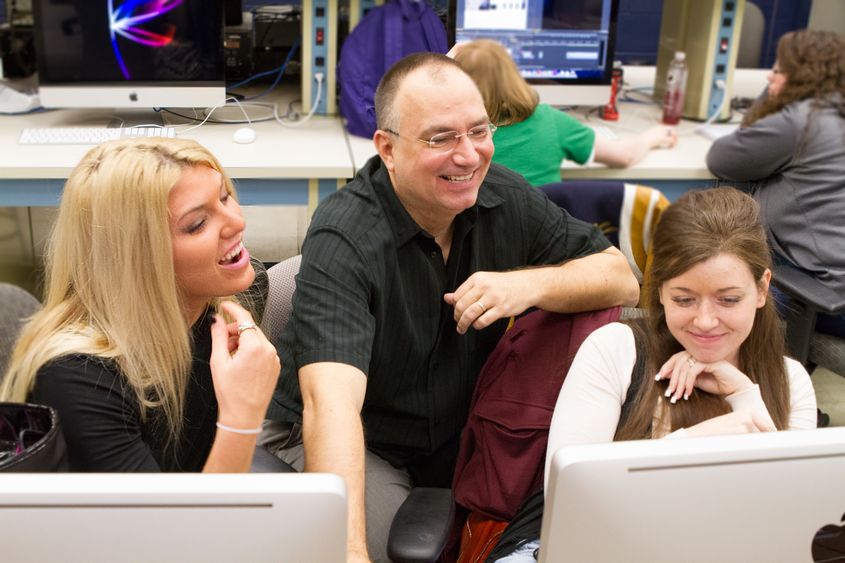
233 430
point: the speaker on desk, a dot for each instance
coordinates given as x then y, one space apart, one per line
708 32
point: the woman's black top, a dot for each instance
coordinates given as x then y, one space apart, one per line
101 418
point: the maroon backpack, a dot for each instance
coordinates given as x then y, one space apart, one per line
503 445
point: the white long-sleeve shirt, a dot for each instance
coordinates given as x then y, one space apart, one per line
590 401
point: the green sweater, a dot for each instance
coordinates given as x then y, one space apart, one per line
535 147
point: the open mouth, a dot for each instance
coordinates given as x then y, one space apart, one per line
233 255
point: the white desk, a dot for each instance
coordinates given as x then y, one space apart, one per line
300 166
671 170
284 166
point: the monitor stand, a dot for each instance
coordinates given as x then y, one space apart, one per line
134 118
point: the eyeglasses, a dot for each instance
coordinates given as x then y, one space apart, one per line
446 142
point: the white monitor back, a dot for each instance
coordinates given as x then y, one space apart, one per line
173 517
760 497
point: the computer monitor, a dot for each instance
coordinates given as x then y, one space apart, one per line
100 518
129 53
564 48
776 496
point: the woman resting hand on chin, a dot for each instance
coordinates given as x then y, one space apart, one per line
710 335
131 347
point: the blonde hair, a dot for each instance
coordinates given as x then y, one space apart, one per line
111 289
508 98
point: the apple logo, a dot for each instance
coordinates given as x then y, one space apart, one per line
829 543
133 96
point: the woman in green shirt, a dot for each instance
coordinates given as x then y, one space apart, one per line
533 138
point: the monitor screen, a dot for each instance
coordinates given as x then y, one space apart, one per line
771 496
140 517
130 53
557 44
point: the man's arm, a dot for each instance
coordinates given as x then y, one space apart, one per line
332 397
597 281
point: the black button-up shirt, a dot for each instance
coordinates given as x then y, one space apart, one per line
370 294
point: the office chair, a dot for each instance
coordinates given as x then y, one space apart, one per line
421 527
809 298
17 305
626 213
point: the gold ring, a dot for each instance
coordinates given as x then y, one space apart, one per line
248 325
483 308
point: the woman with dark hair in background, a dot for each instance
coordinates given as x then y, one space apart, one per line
790 150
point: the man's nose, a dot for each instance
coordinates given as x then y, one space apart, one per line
465 152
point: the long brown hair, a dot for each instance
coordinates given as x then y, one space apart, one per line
700 226
508 98
814 65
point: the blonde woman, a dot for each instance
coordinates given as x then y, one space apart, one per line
130 347
533 138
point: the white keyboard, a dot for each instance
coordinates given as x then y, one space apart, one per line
88 135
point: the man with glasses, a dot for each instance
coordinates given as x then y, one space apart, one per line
408 277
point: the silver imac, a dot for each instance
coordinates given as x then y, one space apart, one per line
114 518
127 54
773 497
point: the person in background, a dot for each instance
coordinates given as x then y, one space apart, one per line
711 336
409 275
790 154
533 138
130 347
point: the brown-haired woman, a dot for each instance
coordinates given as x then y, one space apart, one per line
710 334
791 151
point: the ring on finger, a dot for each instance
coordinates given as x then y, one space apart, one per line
691 361
480 304
247 325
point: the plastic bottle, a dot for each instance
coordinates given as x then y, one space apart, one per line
610 112
676 84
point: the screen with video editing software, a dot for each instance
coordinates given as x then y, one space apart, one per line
551 41
129 41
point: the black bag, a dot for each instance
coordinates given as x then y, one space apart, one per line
31 439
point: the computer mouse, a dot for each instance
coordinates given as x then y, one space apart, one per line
244 135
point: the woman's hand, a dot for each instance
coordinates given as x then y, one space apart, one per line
660 137
244 368
738 422
685 373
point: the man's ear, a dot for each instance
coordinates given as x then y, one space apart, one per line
383 142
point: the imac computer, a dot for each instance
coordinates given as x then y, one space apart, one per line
129 53
774 497
104 518
563 48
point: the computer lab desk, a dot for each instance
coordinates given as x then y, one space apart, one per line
283 166
673 171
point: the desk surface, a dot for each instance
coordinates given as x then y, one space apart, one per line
317 149
686 161
322 152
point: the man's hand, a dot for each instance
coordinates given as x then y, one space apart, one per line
486 297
